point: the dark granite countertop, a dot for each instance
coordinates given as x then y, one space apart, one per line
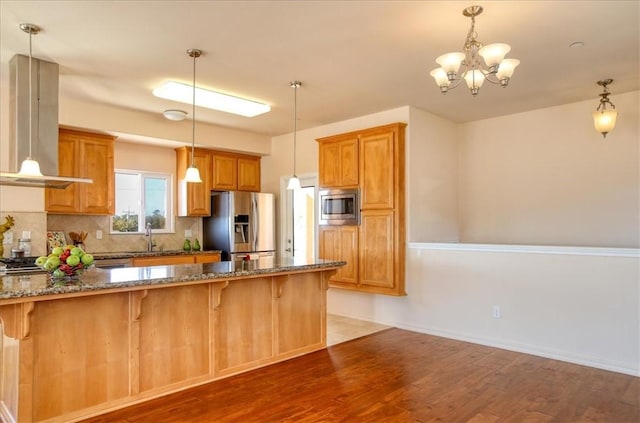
130 254
16 287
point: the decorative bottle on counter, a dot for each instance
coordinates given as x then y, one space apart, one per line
196 245
187 245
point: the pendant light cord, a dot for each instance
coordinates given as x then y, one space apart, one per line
30 96
193 110
295 124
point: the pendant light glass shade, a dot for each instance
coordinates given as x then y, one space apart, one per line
30 167
192 175
294 182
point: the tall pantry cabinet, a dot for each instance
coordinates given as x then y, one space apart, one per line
372 160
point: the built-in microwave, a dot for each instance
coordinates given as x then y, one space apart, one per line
339 207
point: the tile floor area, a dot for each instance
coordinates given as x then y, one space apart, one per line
342 329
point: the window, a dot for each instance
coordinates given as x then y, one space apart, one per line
141 198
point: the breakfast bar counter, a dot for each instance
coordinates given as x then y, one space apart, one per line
120 336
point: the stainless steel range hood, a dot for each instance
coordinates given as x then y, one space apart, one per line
44 124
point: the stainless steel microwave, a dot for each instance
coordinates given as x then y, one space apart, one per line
339 207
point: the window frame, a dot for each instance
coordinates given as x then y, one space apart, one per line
142 175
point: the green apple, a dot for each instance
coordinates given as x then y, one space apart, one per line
73 260
58 273
57 251
41 260
77 251
87 259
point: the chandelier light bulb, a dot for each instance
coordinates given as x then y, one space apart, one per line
505 70
441 77
450 62
493 54
474 79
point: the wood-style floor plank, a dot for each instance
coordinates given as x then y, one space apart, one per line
401 376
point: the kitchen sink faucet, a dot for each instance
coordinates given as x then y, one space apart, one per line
147 233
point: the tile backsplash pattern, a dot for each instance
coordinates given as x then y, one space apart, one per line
122 242
34 222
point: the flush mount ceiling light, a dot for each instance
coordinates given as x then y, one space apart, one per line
605 119
294 182
498 69
193 174
177 91
30 167
174 114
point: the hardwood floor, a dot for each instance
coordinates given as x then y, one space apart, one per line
401 376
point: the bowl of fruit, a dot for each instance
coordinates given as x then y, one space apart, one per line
65 262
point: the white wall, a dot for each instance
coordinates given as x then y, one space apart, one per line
547 177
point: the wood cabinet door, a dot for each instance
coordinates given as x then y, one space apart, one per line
96 162
225 172
329 160
341 243
339 163
349 162
207 258
199 194
162 260
65 200
248 173
377 170
377 253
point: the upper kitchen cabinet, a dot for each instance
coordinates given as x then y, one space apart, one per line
339 161
84 155
380 156
235 172
194 199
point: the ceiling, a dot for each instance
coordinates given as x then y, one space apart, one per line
353 57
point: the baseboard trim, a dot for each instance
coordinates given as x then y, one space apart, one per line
517 347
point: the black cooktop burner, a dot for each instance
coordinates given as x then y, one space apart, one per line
20 264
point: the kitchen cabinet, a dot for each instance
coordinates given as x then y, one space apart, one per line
338 161
194 199
166 260
84 155
235 172
377 253
341 243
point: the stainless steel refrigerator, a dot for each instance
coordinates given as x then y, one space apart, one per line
242 226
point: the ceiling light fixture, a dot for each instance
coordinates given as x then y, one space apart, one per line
174 114
499 69
177 91
193 174
605 119
30 167
294 182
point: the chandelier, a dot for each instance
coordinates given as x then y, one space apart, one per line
498 70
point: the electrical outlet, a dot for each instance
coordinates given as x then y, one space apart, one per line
98 234
188 233
8 238
497 312
26 234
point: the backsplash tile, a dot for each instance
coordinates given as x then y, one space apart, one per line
36 223
122 242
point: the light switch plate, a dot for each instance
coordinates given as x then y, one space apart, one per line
8 238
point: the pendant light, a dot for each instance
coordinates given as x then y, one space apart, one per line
605 119
294 182
30 167
193 174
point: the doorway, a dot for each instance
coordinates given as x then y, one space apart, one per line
299 219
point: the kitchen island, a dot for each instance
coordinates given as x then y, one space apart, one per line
120 336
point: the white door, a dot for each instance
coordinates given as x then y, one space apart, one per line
299 219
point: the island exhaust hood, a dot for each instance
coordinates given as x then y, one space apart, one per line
43 120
